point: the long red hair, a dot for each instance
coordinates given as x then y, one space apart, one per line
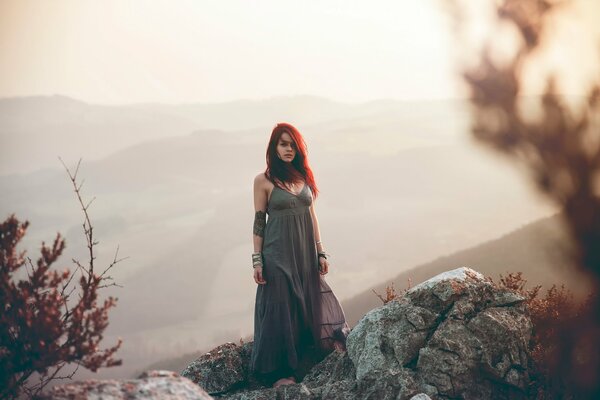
296 171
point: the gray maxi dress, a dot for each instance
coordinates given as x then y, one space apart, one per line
296 310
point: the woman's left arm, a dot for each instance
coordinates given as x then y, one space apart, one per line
322 261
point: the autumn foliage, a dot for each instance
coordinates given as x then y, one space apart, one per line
42 327
390 292
551 315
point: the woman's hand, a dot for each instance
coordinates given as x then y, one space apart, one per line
258 276
324 265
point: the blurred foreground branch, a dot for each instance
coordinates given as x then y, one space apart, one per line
560 151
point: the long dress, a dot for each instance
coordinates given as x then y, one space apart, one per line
295 310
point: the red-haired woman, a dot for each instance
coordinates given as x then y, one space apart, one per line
296 311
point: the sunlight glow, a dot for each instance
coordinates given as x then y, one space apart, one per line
210 51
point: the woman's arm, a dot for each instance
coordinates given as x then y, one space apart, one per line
260 221
322 261
315 220
260 212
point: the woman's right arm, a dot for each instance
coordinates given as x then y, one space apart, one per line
260 220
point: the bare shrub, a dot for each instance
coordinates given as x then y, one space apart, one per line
42 328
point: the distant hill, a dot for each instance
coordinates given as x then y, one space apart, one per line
303 110
45 127
37 129
536 249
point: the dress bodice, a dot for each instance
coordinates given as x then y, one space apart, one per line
282 199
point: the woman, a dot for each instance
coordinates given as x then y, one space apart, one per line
296 311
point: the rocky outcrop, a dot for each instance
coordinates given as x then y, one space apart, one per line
453 336
166 385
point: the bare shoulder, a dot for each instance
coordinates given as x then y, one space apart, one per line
260 177
260 180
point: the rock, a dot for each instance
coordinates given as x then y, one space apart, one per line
490 327
151 385
217 371
476 344
389 338
158 373
420 396
334 367
453 336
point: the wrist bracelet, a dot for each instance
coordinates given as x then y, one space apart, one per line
257 260
323 254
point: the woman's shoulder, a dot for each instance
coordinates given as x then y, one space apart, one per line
261 180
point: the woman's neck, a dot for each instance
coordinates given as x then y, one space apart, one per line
289 183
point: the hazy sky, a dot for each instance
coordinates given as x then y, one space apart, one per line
117 51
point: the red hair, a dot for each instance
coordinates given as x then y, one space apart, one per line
299 169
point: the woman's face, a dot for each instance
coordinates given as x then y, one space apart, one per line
286 148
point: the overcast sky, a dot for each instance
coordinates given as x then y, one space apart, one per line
178 51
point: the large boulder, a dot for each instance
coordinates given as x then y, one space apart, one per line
453 336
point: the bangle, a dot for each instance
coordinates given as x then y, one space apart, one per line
323 254
257 259
318 242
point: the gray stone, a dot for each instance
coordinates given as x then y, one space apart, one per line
389 338
420 396
166 385
217 371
